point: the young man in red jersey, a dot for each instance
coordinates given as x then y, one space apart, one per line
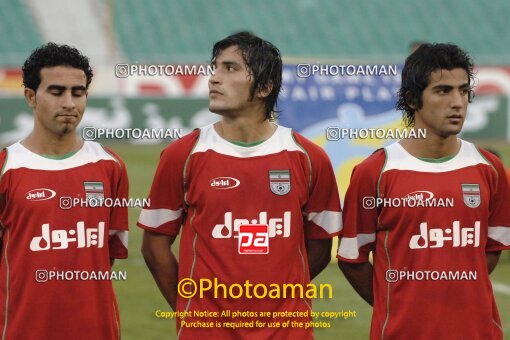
49 247
256 203
435 212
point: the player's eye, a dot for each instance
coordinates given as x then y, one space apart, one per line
56 92
78 93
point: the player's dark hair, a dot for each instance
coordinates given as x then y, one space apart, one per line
51 55
418 68
263 61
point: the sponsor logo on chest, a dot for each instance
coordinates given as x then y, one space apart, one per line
41 194
80 236
230 227
439 237
224 183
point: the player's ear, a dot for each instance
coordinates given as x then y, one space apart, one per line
30 97
263 92
411 100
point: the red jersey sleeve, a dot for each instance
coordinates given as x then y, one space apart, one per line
3 187
119 225
322 213
167 205
360 214
499 216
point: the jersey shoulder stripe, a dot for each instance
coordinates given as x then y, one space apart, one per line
399 159
281 140
21 157
309 147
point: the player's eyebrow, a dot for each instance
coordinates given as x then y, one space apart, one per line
230 63
445 87
62 88
442 87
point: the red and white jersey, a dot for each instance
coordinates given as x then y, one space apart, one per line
429 225
211 189
47 241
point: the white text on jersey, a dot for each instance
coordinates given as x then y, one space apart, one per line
436 237
277 226
224 182
60 239
40 194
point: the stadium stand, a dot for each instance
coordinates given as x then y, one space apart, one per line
176 31
173 31
18 31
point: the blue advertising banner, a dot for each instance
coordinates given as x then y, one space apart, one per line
322 106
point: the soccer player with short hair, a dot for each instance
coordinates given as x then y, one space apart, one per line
255 202
49 246
434 248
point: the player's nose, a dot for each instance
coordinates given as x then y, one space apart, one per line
68 101
458 99
214 78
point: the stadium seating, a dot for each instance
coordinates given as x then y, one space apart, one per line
176 31
369 31
18 31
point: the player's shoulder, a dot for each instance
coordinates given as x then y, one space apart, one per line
3 156
9 156
491 158
3 160
114 156
373 163
313 150
97 151
182 147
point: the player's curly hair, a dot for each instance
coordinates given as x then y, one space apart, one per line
418 68
51 55
264 63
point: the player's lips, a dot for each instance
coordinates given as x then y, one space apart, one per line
67 117
211 92
455 118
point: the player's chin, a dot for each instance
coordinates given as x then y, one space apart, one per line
452 130
67 128
214 108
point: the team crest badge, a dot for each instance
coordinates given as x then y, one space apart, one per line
94 193
471 193
279 181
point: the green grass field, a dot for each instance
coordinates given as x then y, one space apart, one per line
139 297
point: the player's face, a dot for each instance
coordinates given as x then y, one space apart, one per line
445 101
59 101
229 87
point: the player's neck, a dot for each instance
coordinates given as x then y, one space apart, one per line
52 145
245 129
432 147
